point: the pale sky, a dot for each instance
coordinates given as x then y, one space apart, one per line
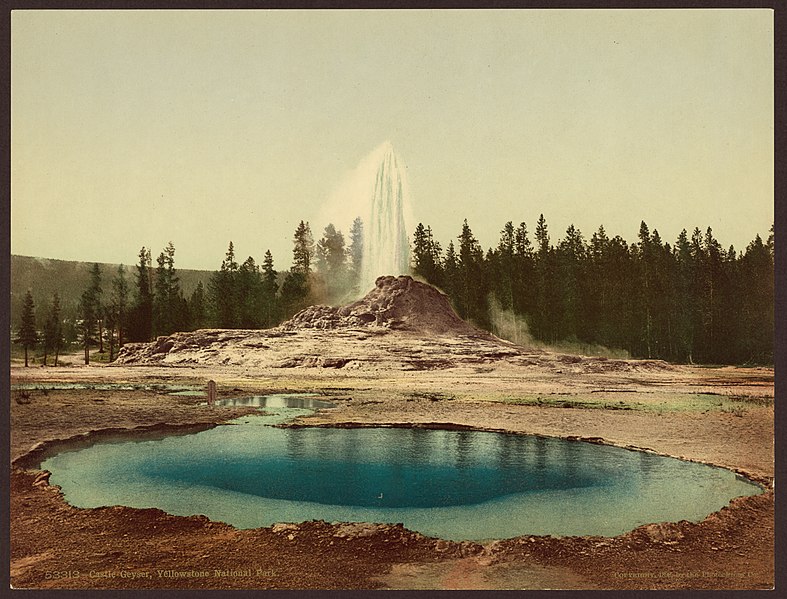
134 128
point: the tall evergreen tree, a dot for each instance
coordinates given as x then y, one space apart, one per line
296 287
596 308
119 304
249 289
420 250
197 308
270 285
694 302
547 296
570 258
224 291
332 263
53 330
90 313
757 317
168 303
662 291
503 267
523 273
436 276
303 250
140 326
472 289
98 304
426 255
682 298
645 273
451 270
27 335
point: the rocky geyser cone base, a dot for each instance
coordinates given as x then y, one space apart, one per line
401 324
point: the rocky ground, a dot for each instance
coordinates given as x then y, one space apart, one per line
393 373
730 549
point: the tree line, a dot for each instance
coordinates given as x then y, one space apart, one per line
692 301
151 302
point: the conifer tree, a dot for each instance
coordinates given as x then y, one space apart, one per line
303 252
523 273
270 286
168 308
53 331
503 267
197 308
224 291
450 270
694 302
249 289
89 306
296 287
426 255
546 296
435 264
141 321
471 290
570 259
332 263
596 311
26 335
682 279
645 263
96 292
757 318
119 304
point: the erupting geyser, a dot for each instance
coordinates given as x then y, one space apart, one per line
385 249
376 192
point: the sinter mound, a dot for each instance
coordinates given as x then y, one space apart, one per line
401 324
398 303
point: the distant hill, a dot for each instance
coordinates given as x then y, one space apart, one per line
45 276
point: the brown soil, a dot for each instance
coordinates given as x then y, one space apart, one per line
54 545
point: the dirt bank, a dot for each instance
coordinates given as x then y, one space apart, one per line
721 416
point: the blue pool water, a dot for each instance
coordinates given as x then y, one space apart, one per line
450 484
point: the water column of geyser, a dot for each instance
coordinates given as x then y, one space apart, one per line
386 249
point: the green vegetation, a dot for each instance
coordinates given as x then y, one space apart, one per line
648 402
91 314
53 332
27 336
44 277
691 302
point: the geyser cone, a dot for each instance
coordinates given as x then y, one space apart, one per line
385 250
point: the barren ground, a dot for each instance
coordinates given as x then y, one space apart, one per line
722 416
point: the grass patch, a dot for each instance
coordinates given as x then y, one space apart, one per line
431 396
657 402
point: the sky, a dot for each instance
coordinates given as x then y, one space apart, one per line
134 128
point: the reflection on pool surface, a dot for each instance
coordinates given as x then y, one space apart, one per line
451 484
282 400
